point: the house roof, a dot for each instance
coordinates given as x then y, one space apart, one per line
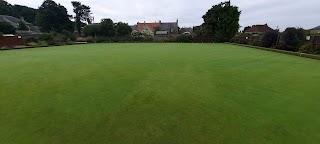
150 26
168 26
12 20
133 27
316 28
259 29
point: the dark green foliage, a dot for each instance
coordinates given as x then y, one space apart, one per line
293 38
122 29
22 26
6 8
69 34
184 39
29 14
7 28
53 16
107 28
1 34
54 38
82 13
246 28
91 30
221 22
310 49
269 39
45 37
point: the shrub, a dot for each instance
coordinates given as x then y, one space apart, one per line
53 38
91 30
33 44
269 39
7 28
45 37
184 38
293 38
308 48
91 40
69 34
1 34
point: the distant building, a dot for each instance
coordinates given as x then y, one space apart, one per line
315 31
153 28
259 29
32 30
188 30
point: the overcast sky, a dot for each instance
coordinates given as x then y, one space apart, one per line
277 13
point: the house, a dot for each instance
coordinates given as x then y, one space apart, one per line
162 27
186 30
315 31
32 30
259 29
170 27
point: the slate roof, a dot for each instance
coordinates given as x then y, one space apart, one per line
12 20
316 28
133 27
168 26
259 29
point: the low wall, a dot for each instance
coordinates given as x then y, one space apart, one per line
317 57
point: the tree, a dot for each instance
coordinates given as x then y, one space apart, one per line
91 30
6 8
269 39
107 28
83 13
22 26
53 17
122 29
29 14
7 28
293 38
222 22
246 28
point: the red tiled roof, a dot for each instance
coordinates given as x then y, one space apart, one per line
259 29
152 26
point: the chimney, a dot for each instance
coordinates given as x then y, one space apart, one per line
160 21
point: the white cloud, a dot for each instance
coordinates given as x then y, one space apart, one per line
284 13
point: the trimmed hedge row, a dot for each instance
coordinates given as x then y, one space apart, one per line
317 57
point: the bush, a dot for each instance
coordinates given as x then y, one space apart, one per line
308 48
33 44
7 28
45 37
1 34
293 39
269 39
69 34
91 30
53 38
184 38
91 40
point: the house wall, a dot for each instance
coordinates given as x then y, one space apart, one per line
10 41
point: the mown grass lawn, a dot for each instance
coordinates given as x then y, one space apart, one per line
158 93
